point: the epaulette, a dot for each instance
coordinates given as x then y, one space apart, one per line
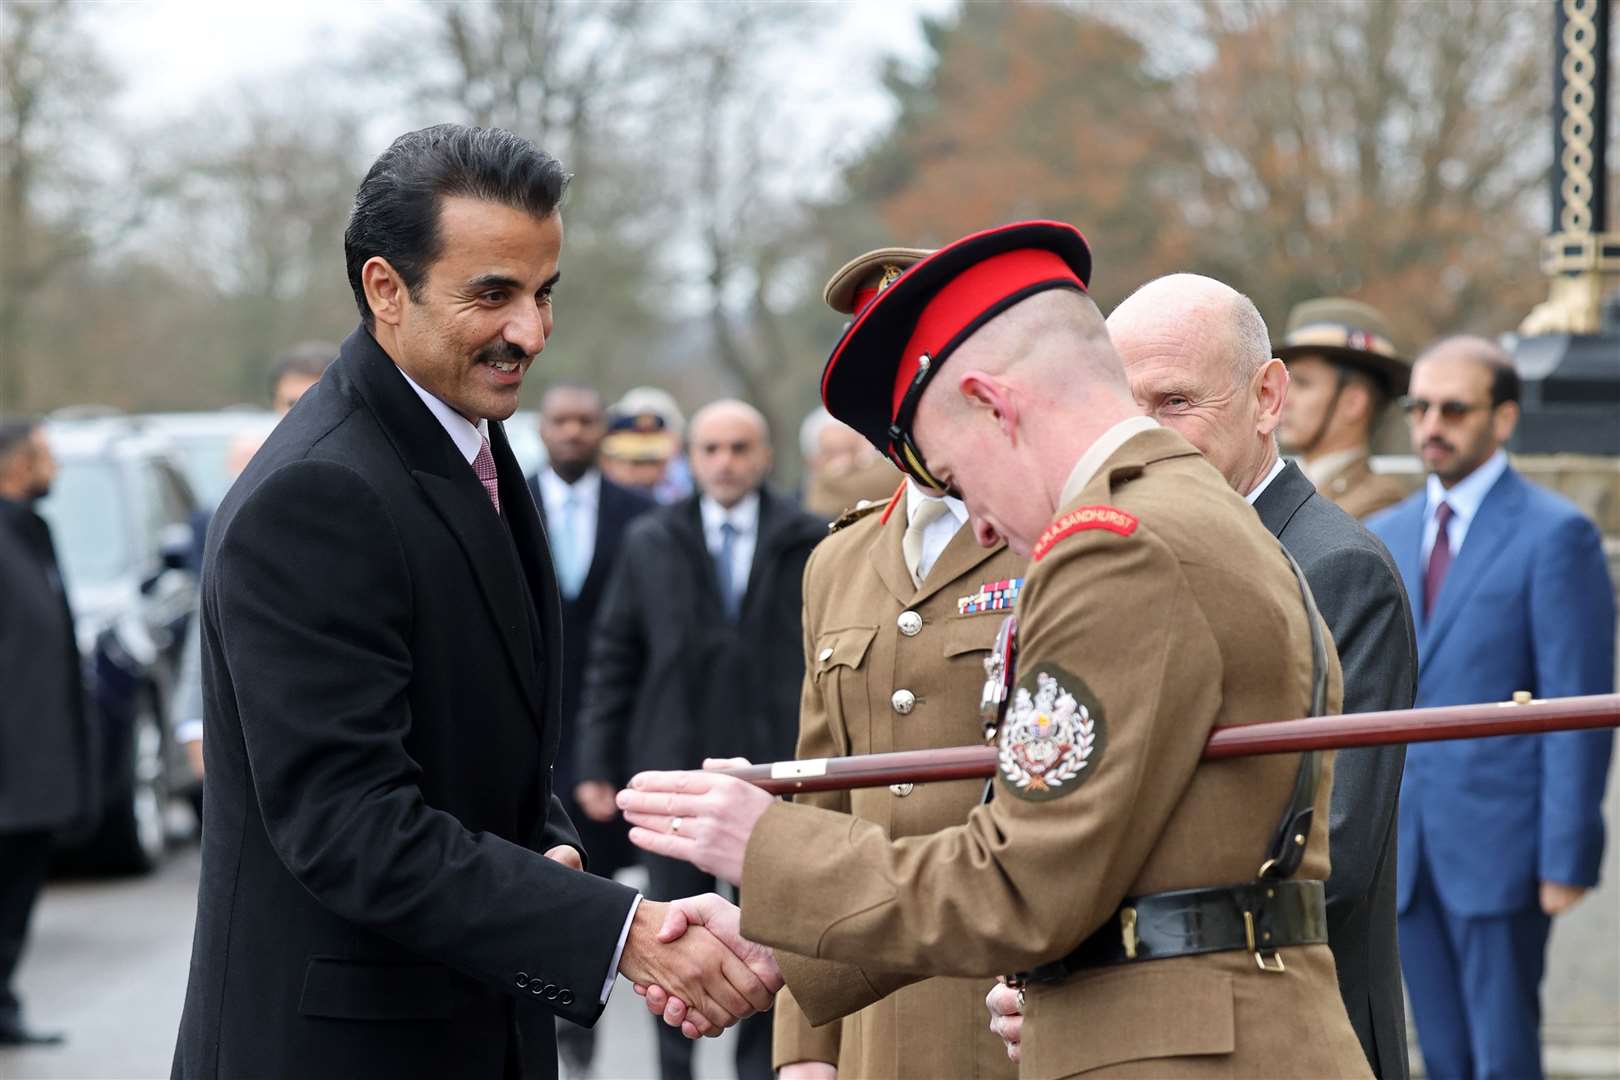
849 517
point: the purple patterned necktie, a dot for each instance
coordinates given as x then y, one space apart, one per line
484 466
1439 558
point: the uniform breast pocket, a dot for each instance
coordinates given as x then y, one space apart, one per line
838 669
967 634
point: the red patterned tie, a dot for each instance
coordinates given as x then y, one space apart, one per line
484 466
1439 558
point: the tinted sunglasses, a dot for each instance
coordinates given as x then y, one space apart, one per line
1417 408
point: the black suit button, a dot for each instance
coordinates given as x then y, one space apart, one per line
536 988
565 998
551 992
521 980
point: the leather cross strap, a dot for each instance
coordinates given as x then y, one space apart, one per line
1293 831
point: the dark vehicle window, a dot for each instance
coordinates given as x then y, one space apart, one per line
175 496
86 512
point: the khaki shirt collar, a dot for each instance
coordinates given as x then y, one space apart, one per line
1100 451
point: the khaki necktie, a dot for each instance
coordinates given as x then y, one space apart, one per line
911 544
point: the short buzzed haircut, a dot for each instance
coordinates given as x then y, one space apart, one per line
396 210
1489 355
310 358
16 433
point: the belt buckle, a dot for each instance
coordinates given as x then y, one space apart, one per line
1261 959
1127 931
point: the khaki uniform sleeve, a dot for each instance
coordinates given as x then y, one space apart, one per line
794 1037
1025 880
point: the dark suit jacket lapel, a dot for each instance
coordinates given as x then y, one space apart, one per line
529 538
1487 537
687 526
1282 499
453 490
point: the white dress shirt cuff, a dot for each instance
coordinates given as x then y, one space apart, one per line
618 953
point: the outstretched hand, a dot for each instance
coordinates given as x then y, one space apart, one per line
715 986
699 817
724 920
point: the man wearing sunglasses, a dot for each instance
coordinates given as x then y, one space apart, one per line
1510 592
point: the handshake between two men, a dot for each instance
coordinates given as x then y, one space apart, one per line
688 957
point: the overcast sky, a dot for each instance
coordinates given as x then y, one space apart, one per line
174 54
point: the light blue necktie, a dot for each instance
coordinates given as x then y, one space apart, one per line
570 553
723 563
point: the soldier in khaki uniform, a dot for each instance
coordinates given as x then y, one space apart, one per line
1344 370
901 609
1166 912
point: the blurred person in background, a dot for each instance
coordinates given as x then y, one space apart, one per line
293 374
637 450
586 515
676 481
44 744
696 650
841 469
1344 370
1497 836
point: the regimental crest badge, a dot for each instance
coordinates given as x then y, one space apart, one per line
1052 738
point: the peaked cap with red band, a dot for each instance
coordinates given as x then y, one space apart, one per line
915 324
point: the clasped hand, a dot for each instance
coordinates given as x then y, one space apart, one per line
690 961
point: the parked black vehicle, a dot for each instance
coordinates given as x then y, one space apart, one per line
121 514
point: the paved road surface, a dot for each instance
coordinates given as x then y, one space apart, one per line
107 964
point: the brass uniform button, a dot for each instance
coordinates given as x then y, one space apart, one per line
903 701
900 791
910 623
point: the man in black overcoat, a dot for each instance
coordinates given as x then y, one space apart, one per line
44 745
390 887
697 650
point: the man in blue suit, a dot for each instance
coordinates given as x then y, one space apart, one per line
1497 836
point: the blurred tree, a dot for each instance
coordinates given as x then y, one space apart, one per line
260 198
52 81
1034 111
1391 151
1388 150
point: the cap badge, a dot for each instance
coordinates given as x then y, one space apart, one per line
891 273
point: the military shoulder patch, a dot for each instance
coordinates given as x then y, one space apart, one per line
1078 520
854 514
1053 735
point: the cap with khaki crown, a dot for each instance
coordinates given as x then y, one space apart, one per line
881 365
1347 332
857 282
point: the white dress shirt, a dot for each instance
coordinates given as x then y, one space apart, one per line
1465 498
744 517
938 533
1276 467
469 438
587 496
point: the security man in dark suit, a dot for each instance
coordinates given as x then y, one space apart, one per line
1199 361
389 885
44 779
585 515
696 651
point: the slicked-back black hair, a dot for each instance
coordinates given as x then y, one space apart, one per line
396 209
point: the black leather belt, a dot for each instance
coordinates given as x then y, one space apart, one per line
1259 918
